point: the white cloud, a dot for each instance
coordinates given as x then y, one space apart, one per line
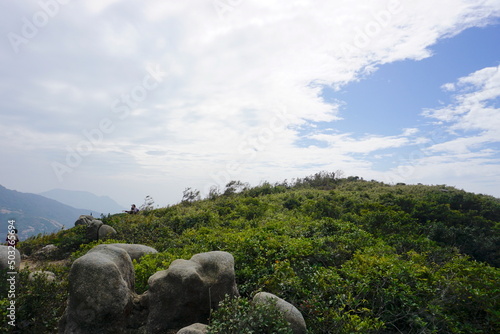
98 6
347 144
473 110
448 87
473 171
468 156
227 76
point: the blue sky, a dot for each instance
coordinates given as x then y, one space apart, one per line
394 95
129 99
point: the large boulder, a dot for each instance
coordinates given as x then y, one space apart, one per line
186 292
96 229
194 329
136 251
101 292
10 258
93 229
106 232
46 252
291 314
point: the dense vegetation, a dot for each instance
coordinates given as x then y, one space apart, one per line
353 256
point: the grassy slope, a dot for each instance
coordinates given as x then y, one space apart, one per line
353 256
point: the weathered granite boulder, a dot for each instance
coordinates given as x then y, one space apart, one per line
47 275
101 292
10 259
290 312
84 220
105 232
46 252
136 251
194 329
185 292
93 229
96 229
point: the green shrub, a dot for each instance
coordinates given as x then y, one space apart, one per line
292 202
39 303
239 316
70 240
152 263
4 325
67 242
355 256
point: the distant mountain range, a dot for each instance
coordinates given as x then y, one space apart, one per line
84 199
35 214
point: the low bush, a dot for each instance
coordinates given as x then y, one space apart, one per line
39 303
240 316
353 256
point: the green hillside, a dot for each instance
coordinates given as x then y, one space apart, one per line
353 256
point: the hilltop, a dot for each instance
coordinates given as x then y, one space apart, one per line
352 255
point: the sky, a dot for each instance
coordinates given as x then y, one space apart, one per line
135 98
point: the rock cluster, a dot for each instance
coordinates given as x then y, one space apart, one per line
45 252
96 229
102 297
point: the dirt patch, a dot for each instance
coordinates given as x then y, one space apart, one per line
35 264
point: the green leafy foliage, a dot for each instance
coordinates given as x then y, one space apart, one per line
353 256
39 303
67 242
239 316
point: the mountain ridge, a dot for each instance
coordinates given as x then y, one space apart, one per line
77 198
36 214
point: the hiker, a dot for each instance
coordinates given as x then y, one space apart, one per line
12 238
133 210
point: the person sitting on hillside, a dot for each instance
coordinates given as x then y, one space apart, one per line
133 210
